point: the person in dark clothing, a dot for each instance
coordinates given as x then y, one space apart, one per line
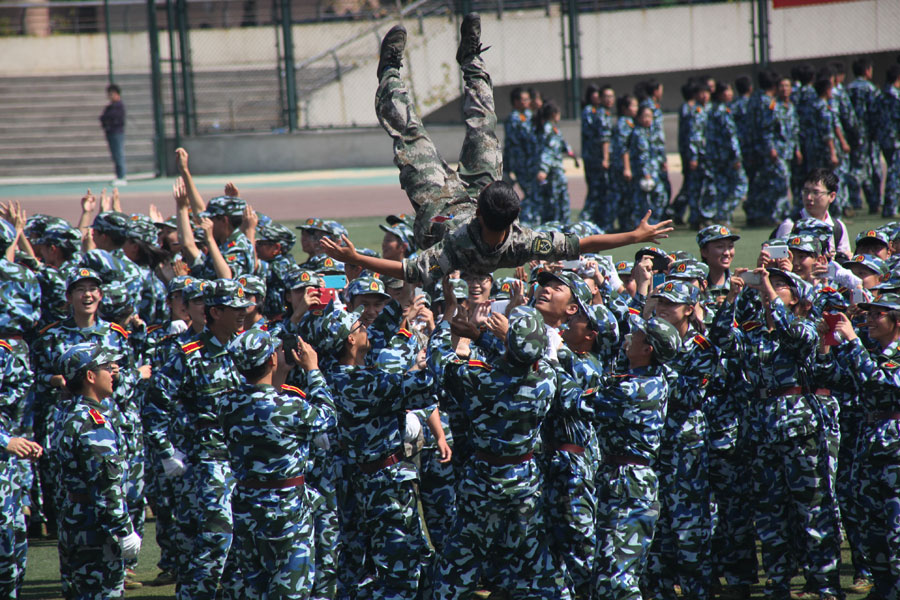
113 122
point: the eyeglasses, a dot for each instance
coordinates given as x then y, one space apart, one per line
814 193
108 367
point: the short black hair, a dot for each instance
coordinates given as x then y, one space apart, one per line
498 205
113 88
605 87
689 89
115 236
824 176
76 384
257 372
824 72
588 92
721 88
805 74
623 102
743 84
516 94
861 65
767 79
822 86
893 73
837 67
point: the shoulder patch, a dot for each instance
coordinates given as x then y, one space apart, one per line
97 417
772 105
192 347
891 365
480 364
404 332
5 344
751 325
541 246
632 310
118 329
522 117
293 390
702 342
232 244
46 328
231 258
153 328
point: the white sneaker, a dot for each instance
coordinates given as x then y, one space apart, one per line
119 182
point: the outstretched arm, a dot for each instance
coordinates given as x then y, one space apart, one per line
645 232
348 254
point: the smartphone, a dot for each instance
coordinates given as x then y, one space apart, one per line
571 265
335 282
751 278
776 252
658 280
832 270
858 296
830 338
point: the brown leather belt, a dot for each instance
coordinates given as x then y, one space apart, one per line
80 498
572 448
797 390
882 416
277 484
639 461
376 465
495 460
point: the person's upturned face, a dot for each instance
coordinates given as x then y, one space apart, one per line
85 297
479 287
552 299
673 312
372 305
719 253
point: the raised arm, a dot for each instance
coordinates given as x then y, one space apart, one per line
348 254
196 200
645 232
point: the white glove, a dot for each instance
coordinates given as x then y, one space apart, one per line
413 428
130 545
322 441
174 467
177 326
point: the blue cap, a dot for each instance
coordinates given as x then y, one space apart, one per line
227 292
79 358
80 274
678 292
366 285
224 206
253 285
873 263
252 348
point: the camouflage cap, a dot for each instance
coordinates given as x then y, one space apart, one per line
253 285
814 227
7 234
460 290
873 235
227 292
891 230
656 253
624 267
336 229
303 278
402 231
362 286
140 227
502 288
678 292
224 206
314 225
713 233
883 302
111 221
826 298
107 266
35 224
178 283
661 335
277 234
581 293
368 252
324 265
79 358
682 255
196 289
170 222
404 218
801 287
116 301
892 284
80 274
526 338
688 269
805 242
393 283
62 235
873 263
252 348
329 327
199 235
607 324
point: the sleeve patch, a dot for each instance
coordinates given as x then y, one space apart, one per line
294 390
480 364
118 329
702 342
405 333
6 345
97 417
541 246
192 347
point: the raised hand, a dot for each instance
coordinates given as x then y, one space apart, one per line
343 253
181 161
88 202
232 190
179 191
652 233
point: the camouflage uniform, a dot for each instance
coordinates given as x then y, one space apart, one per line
630 409
889 140
499 515
550 197
877 467
790 472
865 156
825 125
767 191
518 147
700 194
658 141
15 380
646 164
195 377
437 481
93 516
267 433
620 195
279 268
740 112
369 403
596 130
443 198
723 151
